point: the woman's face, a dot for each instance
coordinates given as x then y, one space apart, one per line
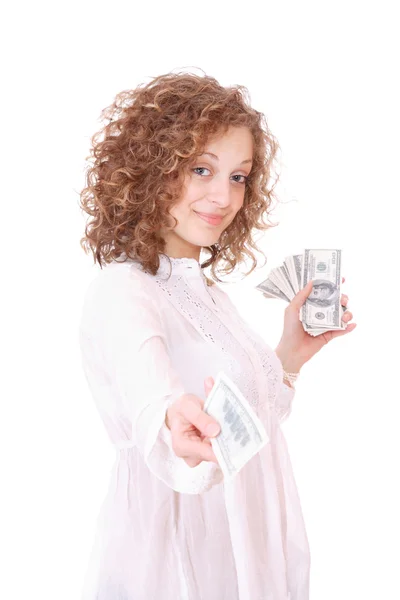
214 185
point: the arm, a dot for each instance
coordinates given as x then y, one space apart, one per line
137 360
285 398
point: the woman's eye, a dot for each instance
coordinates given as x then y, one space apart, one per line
244 178
200 169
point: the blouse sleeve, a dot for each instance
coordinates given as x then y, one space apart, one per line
284 401
135 350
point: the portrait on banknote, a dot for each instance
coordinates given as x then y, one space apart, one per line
324 293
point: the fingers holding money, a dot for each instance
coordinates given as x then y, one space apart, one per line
347 315
208 385
190 427
301 297
189 410
194 451
330 335
346 318
314 278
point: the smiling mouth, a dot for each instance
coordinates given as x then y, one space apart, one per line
212 220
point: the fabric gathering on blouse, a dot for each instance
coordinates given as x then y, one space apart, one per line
166 531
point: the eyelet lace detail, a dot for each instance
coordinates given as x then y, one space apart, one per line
271 365
212 327
280 403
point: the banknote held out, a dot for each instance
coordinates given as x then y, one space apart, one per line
242 433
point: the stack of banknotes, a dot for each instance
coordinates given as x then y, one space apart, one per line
322 310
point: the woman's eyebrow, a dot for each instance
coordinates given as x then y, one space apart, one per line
249 160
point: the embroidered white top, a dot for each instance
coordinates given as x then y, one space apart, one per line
166 530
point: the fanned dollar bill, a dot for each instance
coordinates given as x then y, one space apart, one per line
242 433
322 311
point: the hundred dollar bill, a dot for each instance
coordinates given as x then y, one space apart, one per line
297 260
322 309
242 433
279 278
271 290
285 274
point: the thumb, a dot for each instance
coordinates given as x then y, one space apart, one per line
208 385
302 296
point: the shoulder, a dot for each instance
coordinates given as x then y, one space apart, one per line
120 310
118 291
120 278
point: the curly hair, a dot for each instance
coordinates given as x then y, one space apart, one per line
138 161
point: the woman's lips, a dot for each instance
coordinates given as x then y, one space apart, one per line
209 219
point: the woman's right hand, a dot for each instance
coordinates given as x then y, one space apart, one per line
191 428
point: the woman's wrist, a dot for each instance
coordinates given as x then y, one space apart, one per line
289 363
290 378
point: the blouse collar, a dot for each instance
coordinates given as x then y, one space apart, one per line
190 267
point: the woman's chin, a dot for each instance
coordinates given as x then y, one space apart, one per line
206 241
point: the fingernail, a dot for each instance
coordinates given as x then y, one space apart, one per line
212 430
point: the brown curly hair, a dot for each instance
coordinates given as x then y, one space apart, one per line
138 163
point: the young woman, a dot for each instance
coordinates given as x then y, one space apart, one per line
183 167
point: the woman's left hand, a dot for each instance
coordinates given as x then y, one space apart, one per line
296 346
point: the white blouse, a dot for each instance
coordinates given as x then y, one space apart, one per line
167 531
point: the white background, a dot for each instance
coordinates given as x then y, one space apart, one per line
327 77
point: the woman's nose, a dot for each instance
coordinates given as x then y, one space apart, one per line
220 193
